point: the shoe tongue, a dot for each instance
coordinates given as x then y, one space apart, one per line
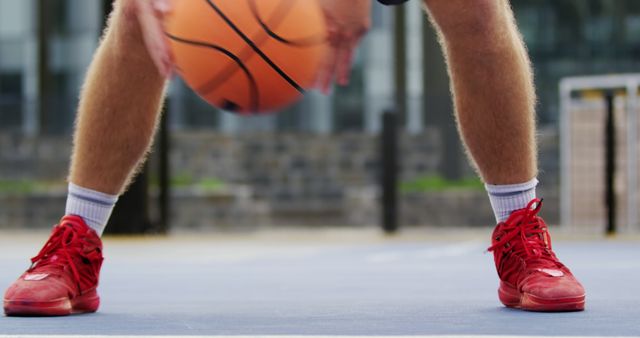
535 237
72 225
530 227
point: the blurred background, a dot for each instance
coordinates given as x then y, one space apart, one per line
319 162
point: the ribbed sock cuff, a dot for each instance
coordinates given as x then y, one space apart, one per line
93 206
506 199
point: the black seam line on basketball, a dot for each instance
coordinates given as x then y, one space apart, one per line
253 90
270 62
252 82
245 54
302 42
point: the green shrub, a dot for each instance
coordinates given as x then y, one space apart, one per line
436 183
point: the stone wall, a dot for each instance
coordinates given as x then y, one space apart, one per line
44 158
271 179
286 167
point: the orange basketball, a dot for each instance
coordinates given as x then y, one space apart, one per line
247 56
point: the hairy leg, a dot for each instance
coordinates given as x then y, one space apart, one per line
119 107
492 85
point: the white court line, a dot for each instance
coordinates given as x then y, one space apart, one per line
296 336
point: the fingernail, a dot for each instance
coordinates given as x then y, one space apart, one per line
162 6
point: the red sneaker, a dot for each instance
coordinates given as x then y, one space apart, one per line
531 276
63 277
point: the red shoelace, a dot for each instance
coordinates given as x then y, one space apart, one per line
57 253
524 235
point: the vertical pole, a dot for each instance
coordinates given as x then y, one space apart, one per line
45 78
163 172
632 154
565 154
131 213
107 7
389 174
390 121
400 62
610 163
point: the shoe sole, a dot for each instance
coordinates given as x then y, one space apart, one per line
85 303
513 298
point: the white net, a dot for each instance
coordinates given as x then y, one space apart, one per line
583 114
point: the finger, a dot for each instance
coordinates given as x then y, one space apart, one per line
344 63
158 52
347 57
162 7
154 39
327 71
335 40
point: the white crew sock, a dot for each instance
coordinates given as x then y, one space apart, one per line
506 199
93 206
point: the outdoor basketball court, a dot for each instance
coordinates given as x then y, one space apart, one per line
329 283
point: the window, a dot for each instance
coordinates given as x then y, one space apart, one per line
10 101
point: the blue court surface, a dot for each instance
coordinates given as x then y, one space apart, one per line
328 283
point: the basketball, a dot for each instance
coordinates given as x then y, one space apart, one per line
247 56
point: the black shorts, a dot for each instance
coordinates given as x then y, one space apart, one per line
392 2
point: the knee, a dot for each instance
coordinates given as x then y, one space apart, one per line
469 20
